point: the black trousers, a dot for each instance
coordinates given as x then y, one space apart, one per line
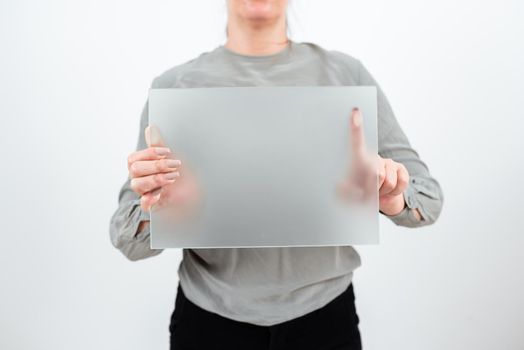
332 327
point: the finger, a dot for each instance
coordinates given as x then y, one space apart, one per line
150 198
390 181
154 137
142 185
371 188
402 180
150 167
381 172
358 143
150 153
365 175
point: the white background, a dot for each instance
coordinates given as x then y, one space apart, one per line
74 76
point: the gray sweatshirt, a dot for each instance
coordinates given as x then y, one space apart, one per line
266 286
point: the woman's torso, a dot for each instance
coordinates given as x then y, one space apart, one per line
265 286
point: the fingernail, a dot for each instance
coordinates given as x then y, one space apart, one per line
171 163
172 175
162 151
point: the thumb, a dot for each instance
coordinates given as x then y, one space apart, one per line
154 137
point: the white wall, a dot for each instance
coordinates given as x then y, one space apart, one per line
73 79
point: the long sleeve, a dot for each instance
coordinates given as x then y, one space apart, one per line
125 220
423 191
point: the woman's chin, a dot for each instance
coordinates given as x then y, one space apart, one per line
260 10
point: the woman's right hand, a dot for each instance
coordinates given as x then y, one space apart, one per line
154 171
150 170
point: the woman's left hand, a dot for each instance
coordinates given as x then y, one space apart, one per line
393 177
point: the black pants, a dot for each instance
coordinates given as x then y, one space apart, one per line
332 327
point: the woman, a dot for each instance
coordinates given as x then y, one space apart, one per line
269 298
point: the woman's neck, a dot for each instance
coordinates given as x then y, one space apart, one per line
255 39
